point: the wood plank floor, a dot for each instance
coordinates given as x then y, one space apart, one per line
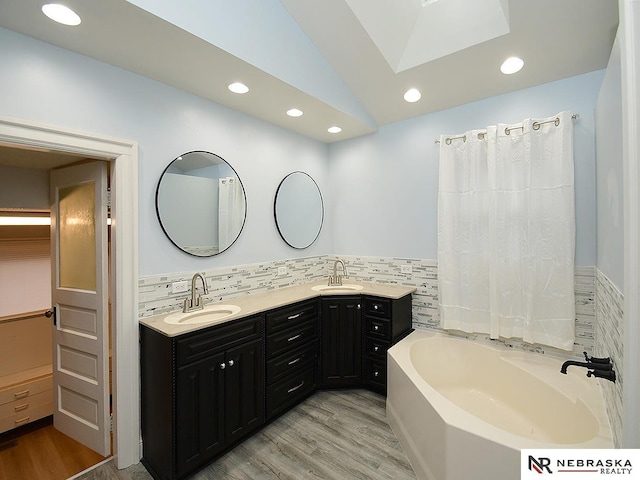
332 435
41 452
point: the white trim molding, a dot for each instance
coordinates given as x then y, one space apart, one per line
629 11
123 158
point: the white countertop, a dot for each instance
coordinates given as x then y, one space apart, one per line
261 302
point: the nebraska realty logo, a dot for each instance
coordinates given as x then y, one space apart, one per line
586 463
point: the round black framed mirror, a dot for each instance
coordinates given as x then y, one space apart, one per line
298 210
201 203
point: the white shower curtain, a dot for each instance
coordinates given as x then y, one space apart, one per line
506 232
230 210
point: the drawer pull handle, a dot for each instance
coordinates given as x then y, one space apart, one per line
223 366
293 317
376 348
19 408
293 389
295 337
21 394
294 361
22 420
230 363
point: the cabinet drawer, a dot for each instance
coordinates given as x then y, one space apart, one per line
25 405
375 375
292 316
201 345
26 389
376 348
377 306
279 343
378 328
21 418
286 364
289 391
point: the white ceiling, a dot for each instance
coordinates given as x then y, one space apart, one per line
343 62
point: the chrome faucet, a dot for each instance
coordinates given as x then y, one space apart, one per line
336 279
196 301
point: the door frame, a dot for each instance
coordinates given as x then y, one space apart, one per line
123 162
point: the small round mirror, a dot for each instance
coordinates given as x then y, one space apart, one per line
298 210
201 203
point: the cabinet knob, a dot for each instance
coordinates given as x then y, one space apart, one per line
223 366
376 373
230 363
358 306
375 307
376 328
376 348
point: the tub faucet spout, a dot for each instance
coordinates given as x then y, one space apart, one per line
595 369
569 363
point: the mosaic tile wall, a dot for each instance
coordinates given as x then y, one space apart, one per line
609 343
228 282
231 282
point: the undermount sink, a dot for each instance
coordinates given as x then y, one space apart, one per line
211 314
337 288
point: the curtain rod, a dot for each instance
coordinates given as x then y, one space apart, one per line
507 130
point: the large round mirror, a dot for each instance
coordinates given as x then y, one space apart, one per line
298 210
201 203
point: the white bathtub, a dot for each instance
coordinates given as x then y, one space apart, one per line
463 410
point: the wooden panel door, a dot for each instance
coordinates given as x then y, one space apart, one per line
80 299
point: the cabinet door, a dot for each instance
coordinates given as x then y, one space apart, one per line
341 342
200 394
244 384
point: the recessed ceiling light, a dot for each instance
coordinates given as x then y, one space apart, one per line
511 65
294 112
334 129
238 87
412 95
61 14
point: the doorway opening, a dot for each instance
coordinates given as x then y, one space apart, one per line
29 392
122 158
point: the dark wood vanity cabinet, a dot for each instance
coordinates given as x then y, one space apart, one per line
341 342
201 393
292 351
205 391
386 321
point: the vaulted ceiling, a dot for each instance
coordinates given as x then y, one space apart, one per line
342 62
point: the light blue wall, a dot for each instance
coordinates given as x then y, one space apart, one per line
45 84
383 190
379 190
610 225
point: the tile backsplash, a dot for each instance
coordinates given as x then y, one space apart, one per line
609 314
230 282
